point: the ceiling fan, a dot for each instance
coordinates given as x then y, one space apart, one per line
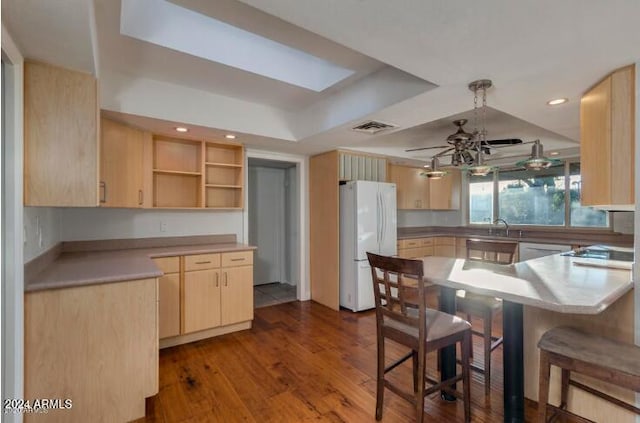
462 146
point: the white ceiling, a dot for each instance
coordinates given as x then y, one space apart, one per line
413 62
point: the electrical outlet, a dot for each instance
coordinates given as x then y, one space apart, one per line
163 226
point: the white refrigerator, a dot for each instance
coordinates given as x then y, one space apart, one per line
368 219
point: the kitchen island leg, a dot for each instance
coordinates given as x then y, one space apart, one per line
447 304
513 362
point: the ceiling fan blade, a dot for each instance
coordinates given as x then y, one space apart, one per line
507 141
426 148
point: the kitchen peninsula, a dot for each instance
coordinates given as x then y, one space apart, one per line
539 294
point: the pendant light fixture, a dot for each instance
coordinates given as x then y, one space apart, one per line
537 160
479 168
435 172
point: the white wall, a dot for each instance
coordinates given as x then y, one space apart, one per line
623 222
12 211
412 218
79 224
42 230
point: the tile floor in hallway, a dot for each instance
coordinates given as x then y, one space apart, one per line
273 293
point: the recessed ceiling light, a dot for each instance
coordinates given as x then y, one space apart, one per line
181 129
557 101
554 153
230 137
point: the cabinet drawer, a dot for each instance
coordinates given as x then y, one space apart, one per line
237 258
412 243
201 262
426 242
168 264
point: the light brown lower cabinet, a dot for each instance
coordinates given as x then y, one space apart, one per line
236 304
201 300
444 246
94 345
168 297
205 295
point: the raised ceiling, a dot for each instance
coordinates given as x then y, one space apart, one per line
412 64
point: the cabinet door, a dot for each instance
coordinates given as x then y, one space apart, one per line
412 188
445 250
595 144
169 305
201 308
60 137
607 141
444 193
121 165
237 294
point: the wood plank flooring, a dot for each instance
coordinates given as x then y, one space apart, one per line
300 362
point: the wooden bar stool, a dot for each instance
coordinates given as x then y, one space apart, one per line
484 307
402 316
605 359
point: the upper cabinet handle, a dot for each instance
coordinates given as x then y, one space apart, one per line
140 197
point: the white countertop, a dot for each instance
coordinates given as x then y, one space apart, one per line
553 282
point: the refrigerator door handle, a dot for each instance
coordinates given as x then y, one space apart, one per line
379 219
383 223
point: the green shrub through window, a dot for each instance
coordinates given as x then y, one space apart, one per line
549 197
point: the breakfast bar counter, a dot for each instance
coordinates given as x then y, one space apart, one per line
557 283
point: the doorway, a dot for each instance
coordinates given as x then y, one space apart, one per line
273 220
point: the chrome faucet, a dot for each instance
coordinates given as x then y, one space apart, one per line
506 225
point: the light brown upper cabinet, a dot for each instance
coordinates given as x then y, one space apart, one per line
122 165
60 137
607 132
444 193
412 188
417 192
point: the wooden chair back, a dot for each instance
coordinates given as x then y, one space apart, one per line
499 252
398 288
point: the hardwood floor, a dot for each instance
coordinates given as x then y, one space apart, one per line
300 362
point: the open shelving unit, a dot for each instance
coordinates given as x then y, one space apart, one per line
197 174
224 165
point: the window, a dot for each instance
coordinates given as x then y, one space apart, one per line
550 197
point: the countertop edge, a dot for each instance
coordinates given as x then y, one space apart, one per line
139 260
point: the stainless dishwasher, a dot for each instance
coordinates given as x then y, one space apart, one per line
531 250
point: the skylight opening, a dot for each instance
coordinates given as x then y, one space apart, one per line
168 25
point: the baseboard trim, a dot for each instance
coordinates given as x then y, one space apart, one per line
204 334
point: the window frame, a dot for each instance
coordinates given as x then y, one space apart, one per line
567 204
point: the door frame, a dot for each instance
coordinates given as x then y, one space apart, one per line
12 262
303 291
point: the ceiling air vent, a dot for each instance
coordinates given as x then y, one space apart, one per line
372 127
